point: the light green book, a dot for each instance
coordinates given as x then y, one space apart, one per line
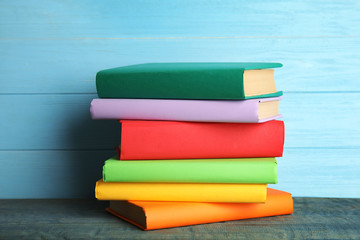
234 170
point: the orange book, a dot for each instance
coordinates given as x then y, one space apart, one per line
156 215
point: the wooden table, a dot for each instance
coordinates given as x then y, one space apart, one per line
313 218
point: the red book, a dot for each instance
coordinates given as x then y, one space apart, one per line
141 140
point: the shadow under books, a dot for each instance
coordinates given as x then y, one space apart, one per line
91 143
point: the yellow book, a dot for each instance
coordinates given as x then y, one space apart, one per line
181 192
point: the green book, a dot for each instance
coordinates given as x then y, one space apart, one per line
239 170
231 81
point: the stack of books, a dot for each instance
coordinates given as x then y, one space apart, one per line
198 143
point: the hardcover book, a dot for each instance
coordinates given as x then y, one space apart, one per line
157 215
181 192
232 81
251 110
143 140
242 170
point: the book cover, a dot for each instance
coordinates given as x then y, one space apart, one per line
143 140
183 192
158 215
242 170
250 111
232 81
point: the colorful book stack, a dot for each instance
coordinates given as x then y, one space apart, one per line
198 143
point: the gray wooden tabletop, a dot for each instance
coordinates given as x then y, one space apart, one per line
313 218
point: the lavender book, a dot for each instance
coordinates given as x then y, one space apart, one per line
247 111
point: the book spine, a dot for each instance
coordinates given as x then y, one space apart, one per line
189 171
185 140
177 110
194 84
182 192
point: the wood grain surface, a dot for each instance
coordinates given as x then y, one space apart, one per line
32 66
313 218
51 50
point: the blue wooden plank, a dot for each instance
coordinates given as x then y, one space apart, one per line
50 49
321 119
177 18
63 122
310 172
319 172
51 174
53 122
56 66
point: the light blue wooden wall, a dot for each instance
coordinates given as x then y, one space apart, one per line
50 52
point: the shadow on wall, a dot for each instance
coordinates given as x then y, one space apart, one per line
93 141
